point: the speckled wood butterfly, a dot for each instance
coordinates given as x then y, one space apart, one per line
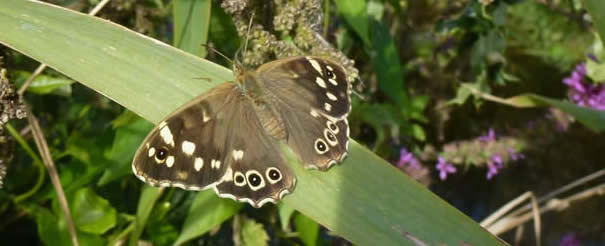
227 138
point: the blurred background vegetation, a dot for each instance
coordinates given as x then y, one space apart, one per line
480 100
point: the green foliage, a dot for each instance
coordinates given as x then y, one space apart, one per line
420 63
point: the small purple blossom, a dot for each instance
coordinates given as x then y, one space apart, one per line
492 170
498 160
583 93
514 155
491 136
404 157
444 168
569 239
408 158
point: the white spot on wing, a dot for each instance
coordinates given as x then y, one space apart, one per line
228 176
162 124
320 82
198 164
151 152
238 154
215 164
329 68
314 113
328 107
333 82
331 96
205 116
188 148
170 161
167 136
315 65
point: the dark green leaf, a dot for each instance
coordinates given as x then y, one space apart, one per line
355 13
53 230
148 198
386 64
253 233
308 230
45 84
126 141
91 212
596 9
206 212
285 213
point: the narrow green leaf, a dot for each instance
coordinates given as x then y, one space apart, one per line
206 212
308 230
596 9
365 199
148 198
191 24
386 63
91 212
593 119
285 213
45 84
355 12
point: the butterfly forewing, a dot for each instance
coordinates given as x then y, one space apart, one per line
216 141
312 97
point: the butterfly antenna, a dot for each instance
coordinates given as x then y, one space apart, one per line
248 34
213 50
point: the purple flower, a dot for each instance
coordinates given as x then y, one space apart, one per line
406 157
514 155
491 136
583 93
498 160
569 239
444 168
492 170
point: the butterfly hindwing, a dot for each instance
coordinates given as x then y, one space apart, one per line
312 97
213 142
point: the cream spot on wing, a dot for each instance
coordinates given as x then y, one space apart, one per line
331 96
320 82
170 161
205 116
315 65
333 82
215 164
228 176
238 154
182 175
314 113
151 152
198 164
328 107
167 136
329 68
188 148
162 124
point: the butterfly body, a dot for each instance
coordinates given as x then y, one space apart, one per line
227 138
